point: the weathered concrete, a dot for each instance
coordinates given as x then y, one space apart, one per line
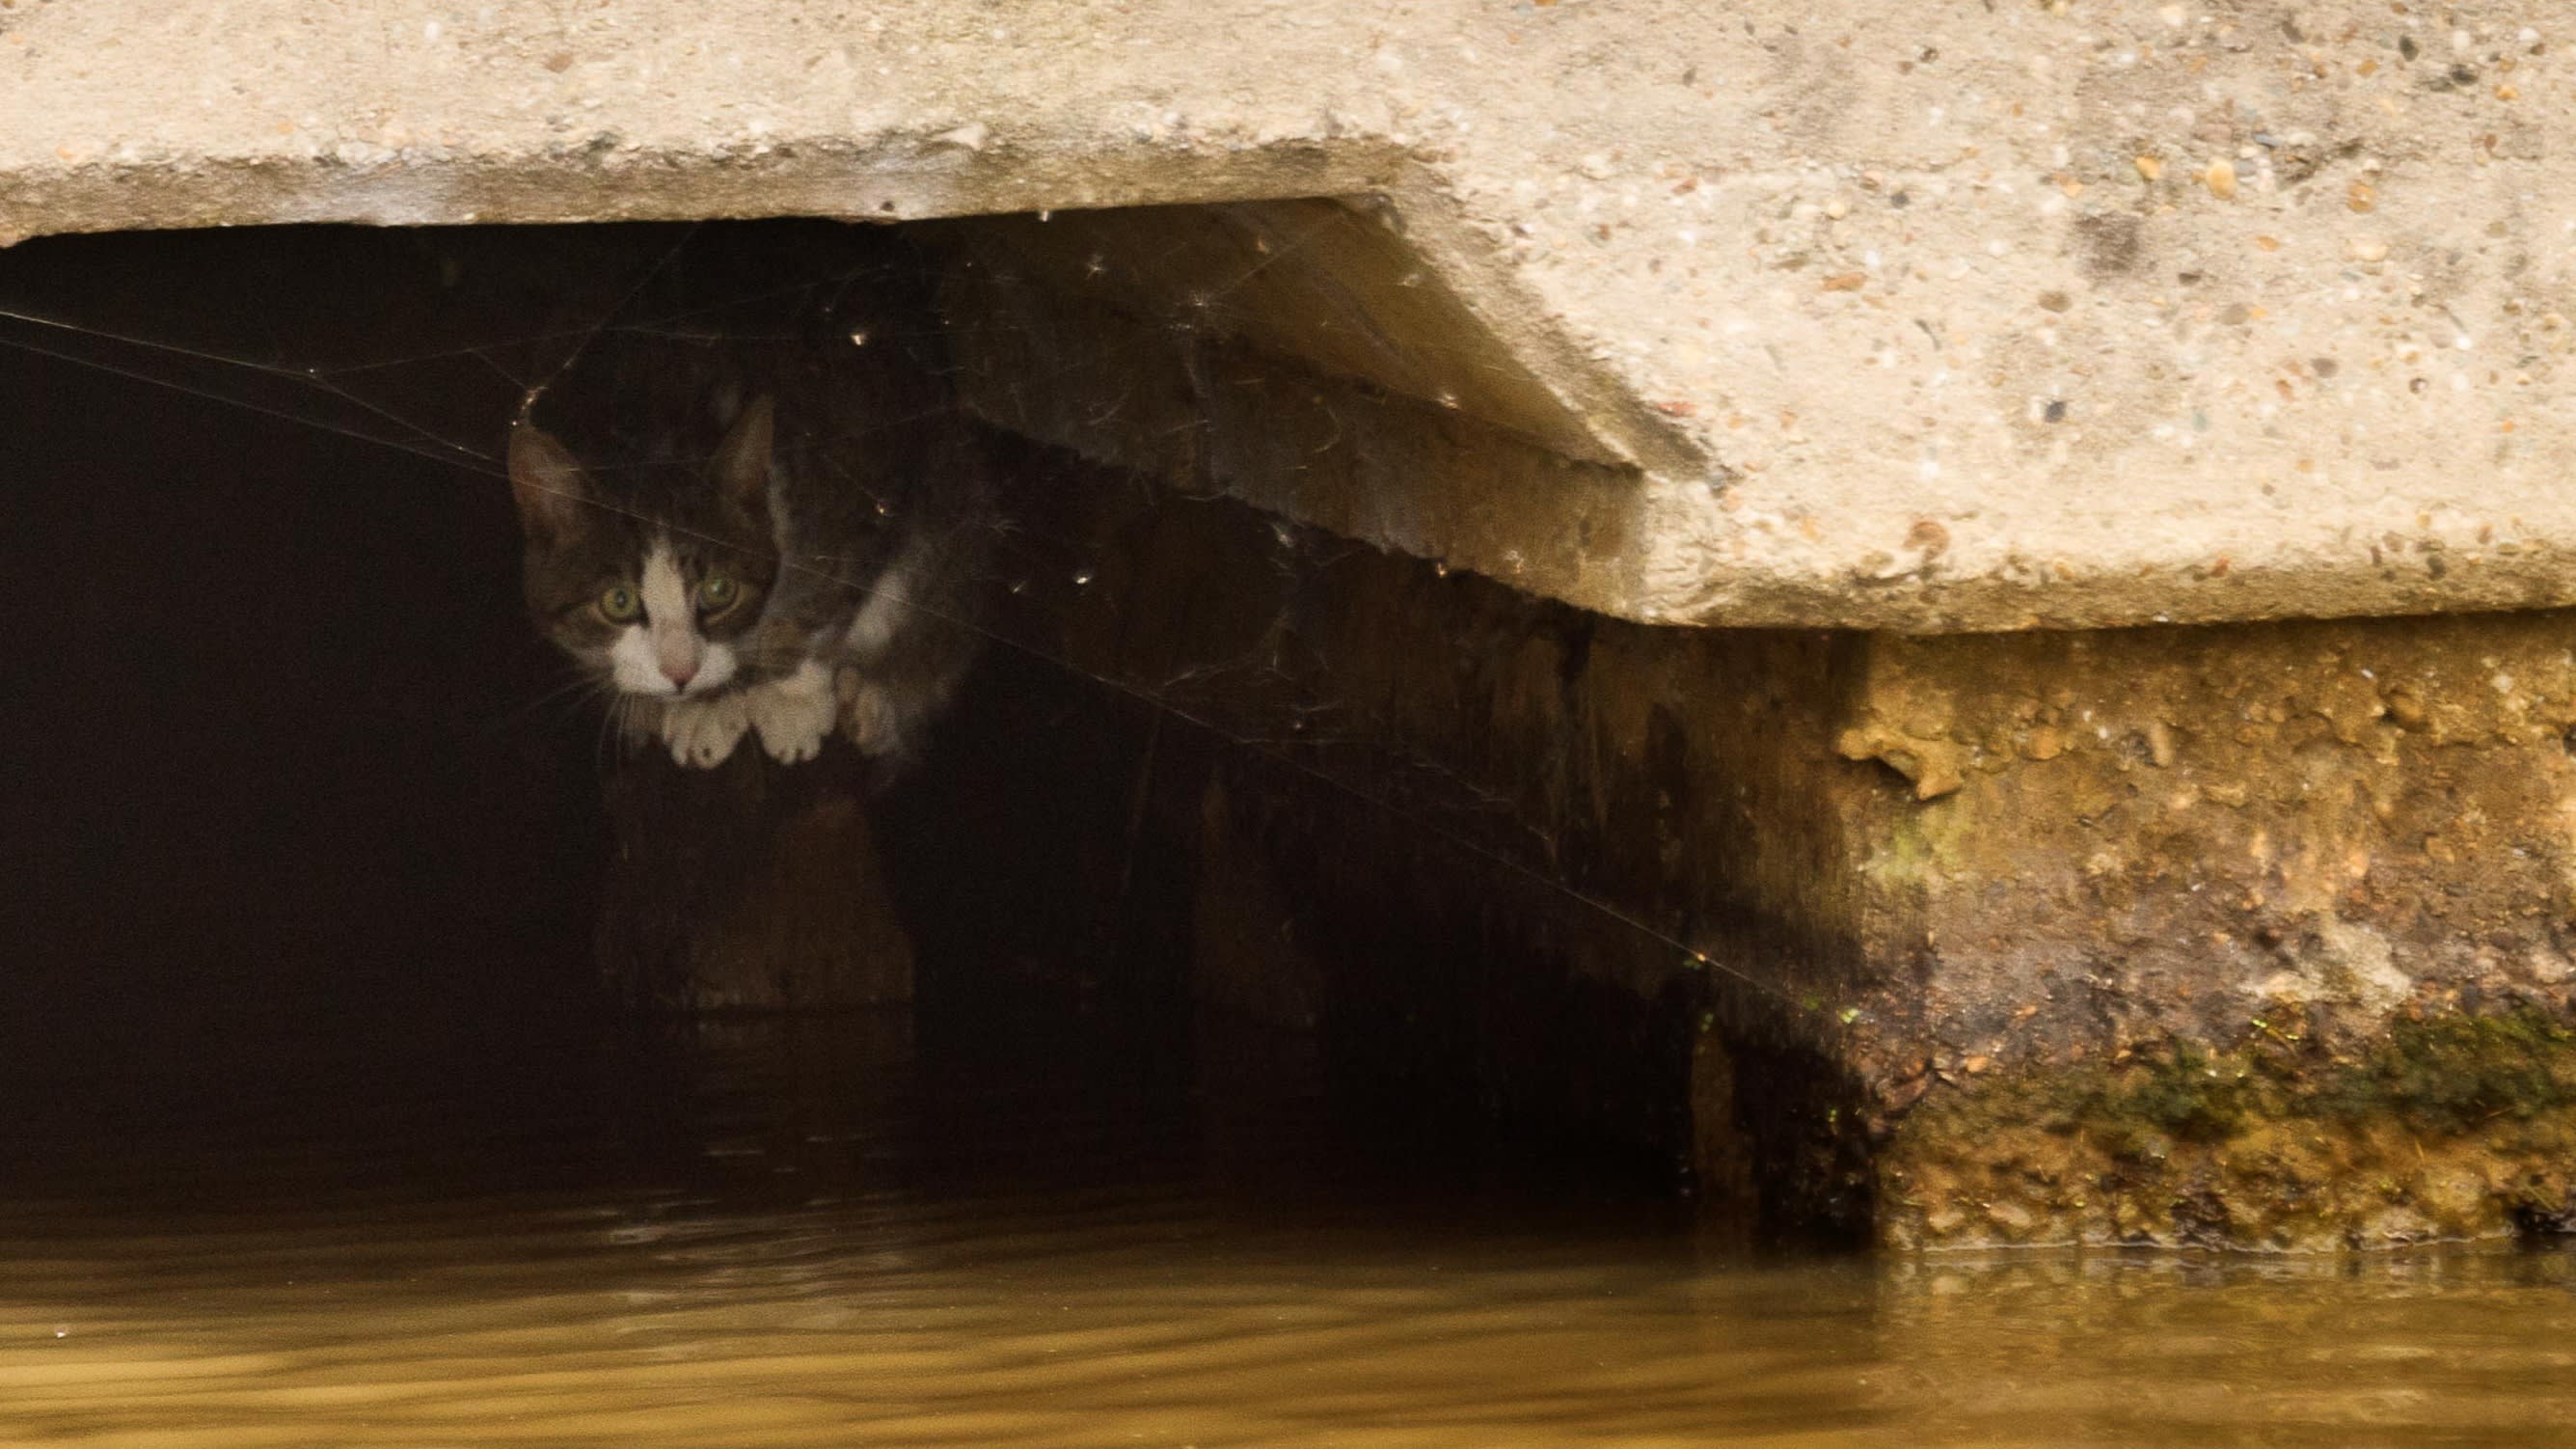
2247 936
1911 317
2255 935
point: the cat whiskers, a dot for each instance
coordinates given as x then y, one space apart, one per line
619 729
571 697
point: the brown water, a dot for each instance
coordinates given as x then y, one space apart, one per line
823 1236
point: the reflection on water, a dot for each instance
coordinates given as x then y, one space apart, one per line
821 1234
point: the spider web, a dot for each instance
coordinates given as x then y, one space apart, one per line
431 343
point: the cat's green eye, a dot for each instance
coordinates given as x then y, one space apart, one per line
717 593
620 605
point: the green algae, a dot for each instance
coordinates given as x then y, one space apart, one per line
2189 1094
2451 1073
2453 1125
2444 1074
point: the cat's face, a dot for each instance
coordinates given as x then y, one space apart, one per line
655 585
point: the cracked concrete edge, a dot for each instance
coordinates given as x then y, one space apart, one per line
2336 578
893 176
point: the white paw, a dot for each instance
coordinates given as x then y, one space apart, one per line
702 733
793 714
869 717
639 720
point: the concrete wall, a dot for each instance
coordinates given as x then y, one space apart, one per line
2251 935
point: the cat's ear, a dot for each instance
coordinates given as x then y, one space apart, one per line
741 466
546 481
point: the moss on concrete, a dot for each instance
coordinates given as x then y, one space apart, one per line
2448 1126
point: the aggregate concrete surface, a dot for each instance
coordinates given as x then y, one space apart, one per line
1979 314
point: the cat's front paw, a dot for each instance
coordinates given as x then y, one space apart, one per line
792 715
702 733
868 715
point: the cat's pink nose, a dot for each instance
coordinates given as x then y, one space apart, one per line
680 675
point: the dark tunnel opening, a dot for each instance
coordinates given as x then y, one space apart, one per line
314 840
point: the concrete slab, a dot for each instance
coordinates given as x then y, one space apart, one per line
1910 316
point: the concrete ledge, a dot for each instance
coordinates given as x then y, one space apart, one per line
1918 318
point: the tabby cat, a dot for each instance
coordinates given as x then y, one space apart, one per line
806 574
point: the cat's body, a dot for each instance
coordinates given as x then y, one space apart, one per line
769 525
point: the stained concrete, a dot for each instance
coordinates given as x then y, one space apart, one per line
1902 316
2255 935
2240 936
